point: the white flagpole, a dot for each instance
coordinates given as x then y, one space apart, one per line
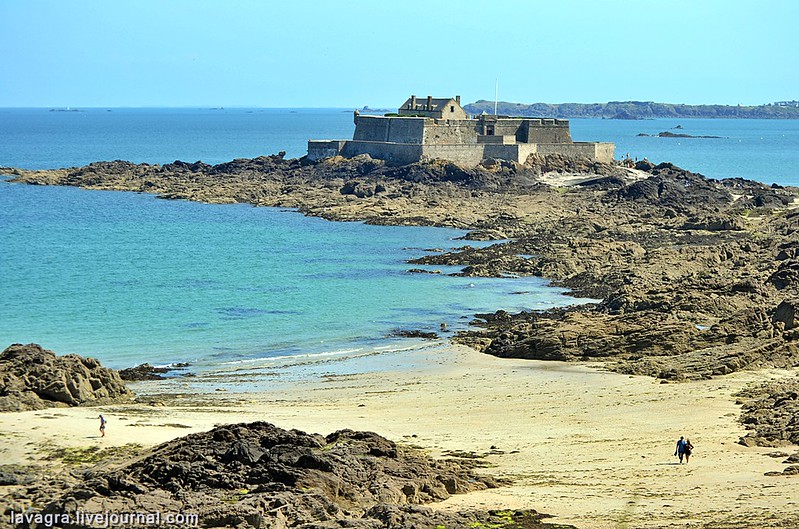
496 96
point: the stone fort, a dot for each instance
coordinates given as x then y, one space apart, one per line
430 128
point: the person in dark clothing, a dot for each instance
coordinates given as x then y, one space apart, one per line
689 448
680 451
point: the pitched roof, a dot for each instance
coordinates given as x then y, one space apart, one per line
421 103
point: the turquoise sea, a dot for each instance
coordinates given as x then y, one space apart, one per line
129 278
763 150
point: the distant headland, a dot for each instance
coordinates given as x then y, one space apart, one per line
638 110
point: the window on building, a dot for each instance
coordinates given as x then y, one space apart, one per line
452 108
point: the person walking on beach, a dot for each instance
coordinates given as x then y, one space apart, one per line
102 426
680 451
687 450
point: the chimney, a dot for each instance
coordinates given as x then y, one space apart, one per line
413 102
429 102
458 99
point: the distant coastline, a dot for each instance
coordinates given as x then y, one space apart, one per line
638 110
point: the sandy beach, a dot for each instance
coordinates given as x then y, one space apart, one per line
591 447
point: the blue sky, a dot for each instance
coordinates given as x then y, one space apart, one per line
337 53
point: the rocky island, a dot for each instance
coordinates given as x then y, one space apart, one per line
694 279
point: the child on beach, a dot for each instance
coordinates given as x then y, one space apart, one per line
102 426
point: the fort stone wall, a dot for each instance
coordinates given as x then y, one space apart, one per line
467 155
406 130
403 140
320 149
507 127
544 131
601 152
395 130
472 155
605 151
450 131
394 153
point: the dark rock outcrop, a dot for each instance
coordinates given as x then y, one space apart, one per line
713 223
260 476
143 372
545 163
149 372
787 313
33 378
771 412
675 188
413 333
669 134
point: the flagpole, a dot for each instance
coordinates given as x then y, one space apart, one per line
496 96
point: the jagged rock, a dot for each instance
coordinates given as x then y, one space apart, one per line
413 333
423 271
143 372
792 470
673 187
257 475
362 189
786 314
758 195
713 223
786 275
195 167
788 250
559 163
770 410
149 372
669 134
33 378
15 475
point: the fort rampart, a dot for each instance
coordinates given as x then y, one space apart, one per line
409 138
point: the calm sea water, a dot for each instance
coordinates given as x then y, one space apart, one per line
762 150
129 278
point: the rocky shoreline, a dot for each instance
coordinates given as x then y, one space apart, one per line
257 475
696 278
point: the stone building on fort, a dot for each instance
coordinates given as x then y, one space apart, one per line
430 128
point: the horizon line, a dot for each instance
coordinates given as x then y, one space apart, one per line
360 107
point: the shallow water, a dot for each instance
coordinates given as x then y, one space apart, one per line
129 278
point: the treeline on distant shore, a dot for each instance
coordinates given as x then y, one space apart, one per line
634 110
